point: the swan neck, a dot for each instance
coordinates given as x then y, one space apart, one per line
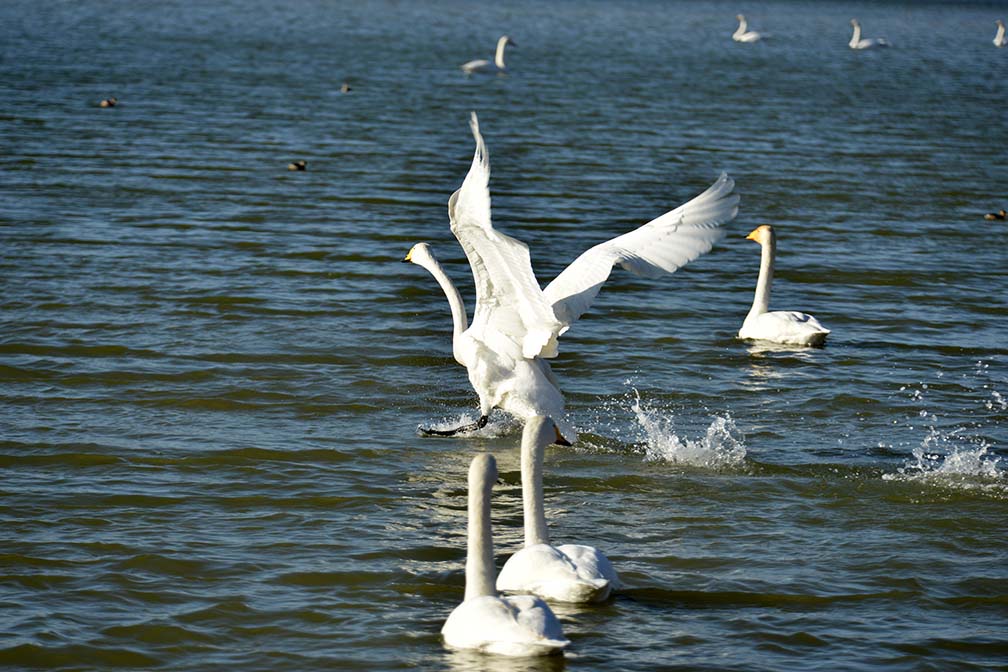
479 555
743 26
761 302
460 321
532 489
1000 33
856 37
499 56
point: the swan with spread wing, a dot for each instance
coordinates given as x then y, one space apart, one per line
516 324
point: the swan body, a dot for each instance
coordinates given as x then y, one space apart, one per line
788 327
743 34
1000 214
858 42
516 324
497 65
999 38
568 573
520 625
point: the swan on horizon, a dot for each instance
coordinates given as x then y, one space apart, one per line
483 65
568 573
743 34
518 625
780 326
999 38
516 324
857 42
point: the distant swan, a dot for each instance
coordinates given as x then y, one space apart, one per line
788 327
520 625
1000 214
482 65
568 573
857 42
743 34
999 39
516 323
112 102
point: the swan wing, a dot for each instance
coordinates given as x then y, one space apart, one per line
663 245
518 626
509 301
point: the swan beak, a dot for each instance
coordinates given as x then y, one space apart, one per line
409 257
752 235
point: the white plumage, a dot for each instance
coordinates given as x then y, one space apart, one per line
780 326
568 573
999 37
743 34
520 625
490 67
858 42
516 324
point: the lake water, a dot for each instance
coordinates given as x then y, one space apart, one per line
212 368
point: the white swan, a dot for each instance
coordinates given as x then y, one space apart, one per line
483 65
999 38
743 34
788 327
857 42
520 625
516 324
568 573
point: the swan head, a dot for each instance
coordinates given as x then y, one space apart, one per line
506 40
999 22
740 17
543 431
762 234
482 472
421 255
854 22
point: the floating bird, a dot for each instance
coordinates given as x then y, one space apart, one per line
857 42
743 34
483 65
519 625
298 165
568 573
780 326
109 102
345 87
516 324
1000 214
999 38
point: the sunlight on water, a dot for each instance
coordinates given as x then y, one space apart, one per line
721 446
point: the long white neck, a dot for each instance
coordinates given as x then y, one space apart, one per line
460 320
856 37
479 555
499 57
743 26
999 39
532 449
761 302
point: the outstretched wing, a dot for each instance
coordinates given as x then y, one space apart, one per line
663 245
509 301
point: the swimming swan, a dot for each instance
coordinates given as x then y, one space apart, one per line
788 327
568 573
999 38
857 42
743 34
520 625
516 324
482 65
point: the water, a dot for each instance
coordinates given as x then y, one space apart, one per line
212 368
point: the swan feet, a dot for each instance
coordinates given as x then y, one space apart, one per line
471 427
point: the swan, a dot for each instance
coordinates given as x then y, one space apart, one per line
516 324
568 573
483 65
999 38
857 42
743 34
781 326
1000 214
519 625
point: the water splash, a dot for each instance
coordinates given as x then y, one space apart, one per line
722 445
